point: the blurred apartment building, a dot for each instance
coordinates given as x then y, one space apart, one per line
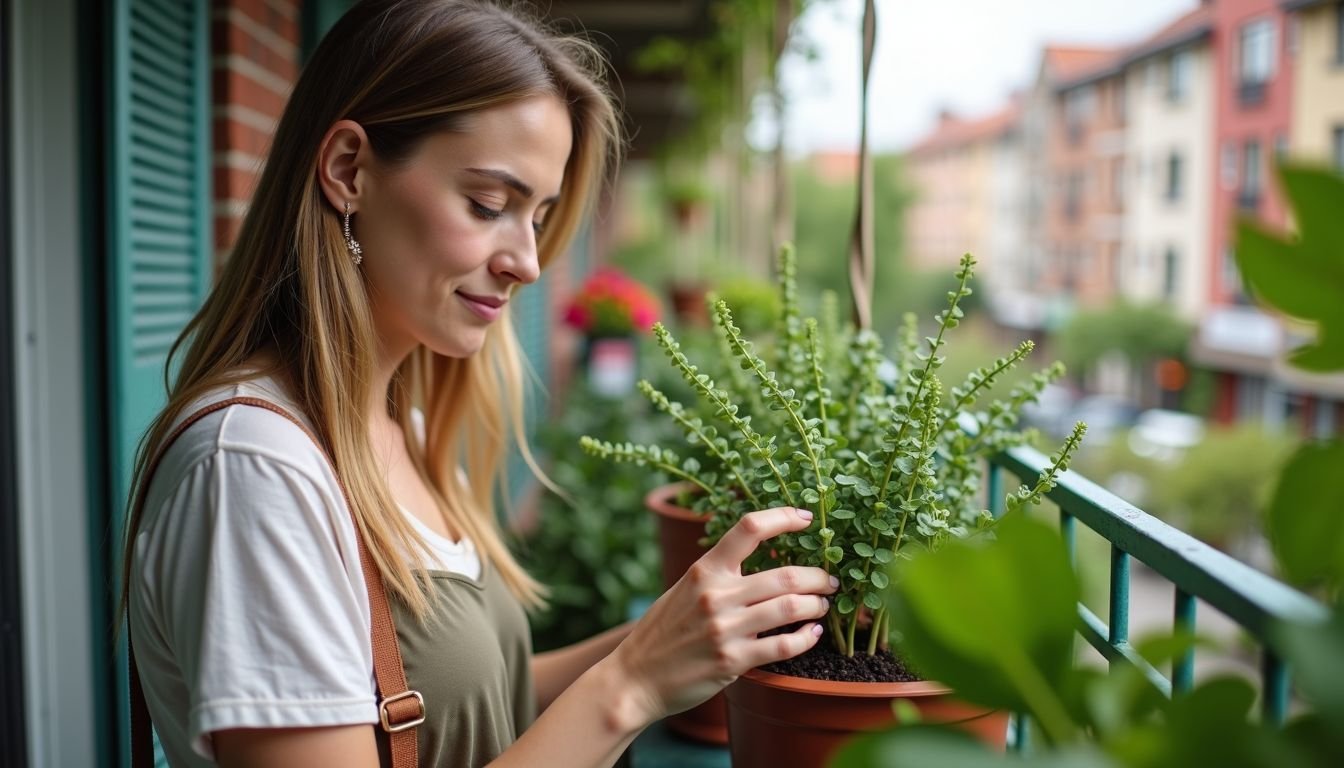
1119 173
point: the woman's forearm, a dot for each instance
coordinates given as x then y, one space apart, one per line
554 671
588 725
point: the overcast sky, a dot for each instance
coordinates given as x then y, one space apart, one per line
967 55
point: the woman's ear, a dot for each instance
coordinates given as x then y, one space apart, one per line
342 162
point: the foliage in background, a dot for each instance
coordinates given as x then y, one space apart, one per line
597 550
1143 333
610 303
886 465
755 303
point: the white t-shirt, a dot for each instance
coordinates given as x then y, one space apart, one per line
248 606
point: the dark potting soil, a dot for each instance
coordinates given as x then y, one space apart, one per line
824 662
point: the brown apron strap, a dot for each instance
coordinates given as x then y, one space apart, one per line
399 708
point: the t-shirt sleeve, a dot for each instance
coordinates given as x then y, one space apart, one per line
261 601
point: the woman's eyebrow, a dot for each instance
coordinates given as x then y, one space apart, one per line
515 183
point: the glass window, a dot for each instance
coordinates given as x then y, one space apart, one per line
1228 165
1256 62
1339 34
1179 74
1170 265
1174 176
1251 176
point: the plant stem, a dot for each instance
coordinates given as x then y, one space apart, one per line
679 415
879 622
849 638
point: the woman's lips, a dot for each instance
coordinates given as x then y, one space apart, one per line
486 307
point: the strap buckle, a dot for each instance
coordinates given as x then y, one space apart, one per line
386 718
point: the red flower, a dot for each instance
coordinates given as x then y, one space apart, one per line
609 302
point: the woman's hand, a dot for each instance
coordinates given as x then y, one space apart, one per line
702 633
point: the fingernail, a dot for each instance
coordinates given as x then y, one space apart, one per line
825 604
803 513
816 630
835 583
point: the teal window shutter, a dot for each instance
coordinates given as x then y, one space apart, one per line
531 323
159 217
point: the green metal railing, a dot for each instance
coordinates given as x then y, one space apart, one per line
1251 599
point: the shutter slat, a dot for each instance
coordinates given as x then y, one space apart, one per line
156 302
161 161
159 29
158 241
158 281
156 260
149 197
150 69
178 12
145 178
157 219
144 97
162 121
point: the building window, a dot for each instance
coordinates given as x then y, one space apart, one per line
1227 165
1255 62
1337 148
1118 181
1170 266
1179 74
1073 195
1251 176
1175 176
1339 34
1078 107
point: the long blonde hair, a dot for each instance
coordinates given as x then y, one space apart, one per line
403 69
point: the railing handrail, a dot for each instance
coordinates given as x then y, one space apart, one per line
1251 598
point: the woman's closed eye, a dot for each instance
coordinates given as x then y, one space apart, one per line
484 211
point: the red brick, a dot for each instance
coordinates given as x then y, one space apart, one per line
233 87
233 183
234 136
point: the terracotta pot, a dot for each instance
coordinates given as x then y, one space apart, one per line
776 720
679 534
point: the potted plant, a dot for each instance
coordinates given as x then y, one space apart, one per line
609 309
887 458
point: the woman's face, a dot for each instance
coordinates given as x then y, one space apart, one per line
451 232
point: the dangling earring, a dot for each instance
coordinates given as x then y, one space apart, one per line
356 252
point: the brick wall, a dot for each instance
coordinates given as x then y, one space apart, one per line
255 49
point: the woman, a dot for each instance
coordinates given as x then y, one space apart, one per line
434 156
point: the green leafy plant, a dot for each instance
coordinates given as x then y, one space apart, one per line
886 456
1119 719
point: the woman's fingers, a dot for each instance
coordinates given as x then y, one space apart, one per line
754 527
767 650
769 614
787 580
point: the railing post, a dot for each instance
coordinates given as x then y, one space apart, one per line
1183 666
1068 529
1119 596
1274 701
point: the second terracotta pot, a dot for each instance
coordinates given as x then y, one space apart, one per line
776 720
679 533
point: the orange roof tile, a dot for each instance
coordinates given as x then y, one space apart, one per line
954 131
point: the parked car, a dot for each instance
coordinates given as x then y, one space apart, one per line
1164 435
